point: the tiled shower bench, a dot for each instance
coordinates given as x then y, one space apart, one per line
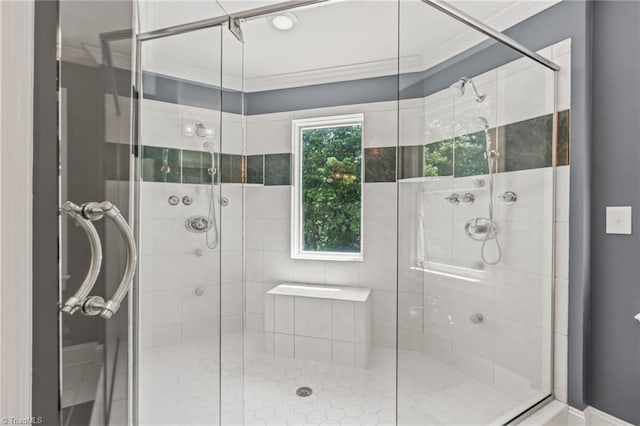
319 323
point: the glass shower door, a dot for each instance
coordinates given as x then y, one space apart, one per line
96 146
183 222
476 227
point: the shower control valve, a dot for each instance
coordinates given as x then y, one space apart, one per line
453 199
174 200
509 197
480 229
476 318
468 198
187 200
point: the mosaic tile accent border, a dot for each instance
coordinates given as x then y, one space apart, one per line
380 164
277 169
186 166
523 145
161 164
255 169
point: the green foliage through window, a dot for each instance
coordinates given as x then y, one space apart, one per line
460 157
331 188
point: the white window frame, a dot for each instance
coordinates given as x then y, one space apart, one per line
298 126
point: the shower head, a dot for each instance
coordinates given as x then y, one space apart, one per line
459 87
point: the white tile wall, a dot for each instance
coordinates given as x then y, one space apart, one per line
496 351
561 316
268 215
313 349
313 317
171 269
510 348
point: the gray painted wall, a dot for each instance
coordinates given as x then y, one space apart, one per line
45 219
614 364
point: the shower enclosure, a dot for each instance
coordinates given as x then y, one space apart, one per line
350 222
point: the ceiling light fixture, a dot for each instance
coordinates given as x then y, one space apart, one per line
283 21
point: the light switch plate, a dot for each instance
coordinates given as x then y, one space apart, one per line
619 220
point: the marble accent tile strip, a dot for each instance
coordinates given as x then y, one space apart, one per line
523 145
380 164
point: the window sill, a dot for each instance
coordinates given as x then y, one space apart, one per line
328 256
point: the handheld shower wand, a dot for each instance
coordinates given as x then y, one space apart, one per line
491 155
212 171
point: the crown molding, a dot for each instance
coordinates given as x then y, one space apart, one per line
333 74
507 17
517 12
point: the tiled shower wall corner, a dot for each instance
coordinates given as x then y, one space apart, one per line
515 299
172 270
268 228
181 280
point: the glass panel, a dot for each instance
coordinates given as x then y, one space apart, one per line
475 333
182 229
448 315
315 351
232 231
95 107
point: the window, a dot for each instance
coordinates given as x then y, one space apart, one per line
327 201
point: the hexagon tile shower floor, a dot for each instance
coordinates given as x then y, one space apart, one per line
185 390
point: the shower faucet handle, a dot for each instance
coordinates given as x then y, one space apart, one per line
468 198
509 197
453 199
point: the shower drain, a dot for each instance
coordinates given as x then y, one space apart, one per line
304 391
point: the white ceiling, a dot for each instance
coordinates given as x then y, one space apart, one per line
340 39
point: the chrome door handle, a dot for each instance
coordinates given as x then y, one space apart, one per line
75 302
95 305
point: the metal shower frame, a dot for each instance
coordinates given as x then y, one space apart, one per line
234 19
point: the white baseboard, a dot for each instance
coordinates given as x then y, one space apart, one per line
557 413
593 417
